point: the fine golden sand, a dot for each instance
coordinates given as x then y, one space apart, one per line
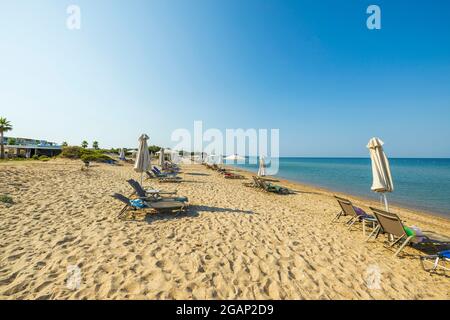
234 243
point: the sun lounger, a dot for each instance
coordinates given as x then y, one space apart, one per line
269 187
139 204
356 214
163 178
153 195
165 171
443 256
159 174
217 168
231 175
391 224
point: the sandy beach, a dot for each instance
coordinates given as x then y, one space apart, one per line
235 242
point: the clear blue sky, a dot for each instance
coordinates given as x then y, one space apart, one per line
310 68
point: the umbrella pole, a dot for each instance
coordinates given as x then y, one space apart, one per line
386 205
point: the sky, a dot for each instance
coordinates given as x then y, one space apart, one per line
311 69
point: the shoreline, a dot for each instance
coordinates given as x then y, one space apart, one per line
359 198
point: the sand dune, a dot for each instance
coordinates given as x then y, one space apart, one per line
234 243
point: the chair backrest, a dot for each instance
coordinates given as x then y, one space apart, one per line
156 169
346 206
263 184
389 222
121 198
257 181
138 188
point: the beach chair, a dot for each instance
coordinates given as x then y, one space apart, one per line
159 174
170 167
164 171
443 256
217 168
269 187
231 175
391 224
153 195
139 204
356 214
163 178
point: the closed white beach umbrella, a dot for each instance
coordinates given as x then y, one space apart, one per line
262 167
235 157
161 157
381 172
122 154
142 162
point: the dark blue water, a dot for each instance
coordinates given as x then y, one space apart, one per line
418 183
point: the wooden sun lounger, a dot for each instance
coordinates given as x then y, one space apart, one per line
154 195
158 206
391 224
347 209
270 187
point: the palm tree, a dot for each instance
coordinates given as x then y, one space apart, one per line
5 126
95 145
84 144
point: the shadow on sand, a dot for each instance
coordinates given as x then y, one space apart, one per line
197 174
191 212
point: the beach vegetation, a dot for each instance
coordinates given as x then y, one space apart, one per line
64 144
95 145
154 149
44 158
35 157
95 157
5 126
6 199
85 155
12 141
84 144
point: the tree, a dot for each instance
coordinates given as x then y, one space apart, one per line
5 126
84 144
64 144
154 149
12 141
95 145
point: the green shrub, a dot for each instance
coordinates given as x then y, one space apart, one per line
44 158
35 157
86 155
95 157
6 199
72 152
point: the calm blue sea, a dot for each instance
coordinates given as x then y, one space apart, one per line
419 183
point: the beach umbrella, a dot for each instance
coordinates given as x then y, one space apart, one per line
262 167
235 157
381 173
142 162
122 154
161 157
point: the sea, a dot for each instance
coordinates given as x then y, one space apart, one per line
419 183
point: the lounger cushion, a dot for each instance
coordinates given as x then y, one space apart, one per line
182 199
137 203
409 232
